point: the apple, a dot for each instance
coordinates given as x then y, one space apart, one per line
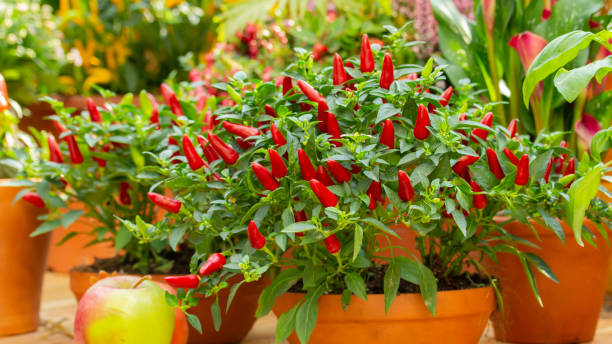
128 310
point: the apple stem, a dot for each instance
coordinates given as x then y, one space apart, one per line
142 279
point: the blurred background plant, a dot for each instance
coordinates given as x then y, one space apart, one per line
30 49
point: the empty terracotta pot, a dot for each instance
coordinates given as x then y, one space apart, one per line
22 263
461 318
236 324
571 308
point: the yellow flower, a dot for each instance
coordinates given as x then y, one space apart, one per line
173 3
97 76
88 53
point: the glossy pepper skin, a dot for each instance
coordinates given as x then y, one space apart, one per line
165 202
513 159
209 152
243 131
339 74
387 137
522 171
34 199
571 167
55 154
94 114
333 129
366 56
4 99
193 158
375 189
171 100
265 177
422 122
213 264
482 133
310 93
548 169
299 216
405 190
258 241
124 196
323 176
386 76
185 281
227 152
287 86
494 165
446 96
461 166
277 136
340 174
372 204
269 110
155 113
73 148
478 200
277 165
326 197
512 128
322 116
332 244
307 169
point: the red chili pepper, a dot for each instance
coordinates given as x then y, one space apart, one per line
270 111
405 190
339 74
332 244
277 165
422 122
55 154
193 158
277 136
34 199
322 116
243 131
372 205
340 174
367 57
306 167
333 129
167 203
494 165
287 85
478 200
522 171
244 144
323 176
513 159
124 196
208 121
512 128
172 142
171 100
431 108
461 166
386 76
186 281
355 169
102 162
73 148
209 152
94 114
387 137
258 241
265 177
227 152
326 197
482 133
446 96
312 94
571 167
305 107
166 92
4 99
299 216
548 169
463 117
155 113
375 190
213 264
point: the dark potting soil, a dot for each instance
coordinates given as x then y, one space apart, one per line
122 264
376 275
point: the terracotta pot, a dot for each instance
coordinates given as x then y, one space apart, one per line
22 263
237 322
461 318
571 308
603 196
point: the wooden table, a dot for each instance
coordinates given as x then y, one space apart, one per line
59 305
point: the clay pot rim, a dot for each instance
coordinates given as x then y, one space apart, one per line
405 307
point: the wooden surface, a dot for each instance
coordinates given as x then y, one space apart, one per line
59 305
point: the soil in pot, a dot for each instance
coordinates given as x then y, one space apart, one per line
461 315
571 308
22 262
236 323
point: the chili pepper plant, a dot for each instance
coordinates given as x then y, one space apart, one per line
99 168
305 181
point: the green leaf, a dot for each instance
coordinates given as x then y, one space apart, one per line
232 293
286 324
381 226
555 55
385 111
345 299
137 157
356 285
391 284
429 288
46 227
571 83
145 103
70 217
194 321
306 317
280 285
537 167
215 311
602 142
428 68
582 191
357 241
171 300
122 238
541 266
299 227
553 224
176 235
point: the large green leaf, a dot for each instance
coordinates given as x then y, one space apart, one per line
581 193
286 324
566 16
555 55
281 284
306 317
391 283
571 83
601 143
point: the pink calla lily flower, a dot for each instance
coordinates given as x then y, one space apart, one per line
528 45
586 127
488 12
547 9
